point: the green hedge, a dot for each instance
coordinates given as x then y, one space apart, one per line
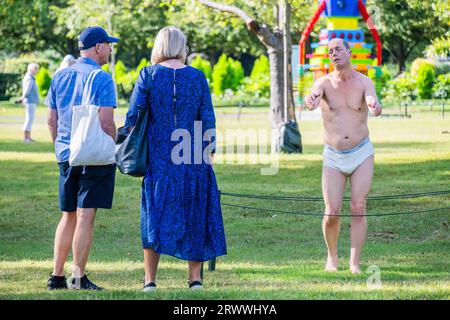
259 81
439 47
125 77
227 74
203 65
43 81
441 88
425 80
19 65
10 84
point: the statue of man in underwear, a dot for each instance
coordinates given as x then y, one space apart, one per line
345 97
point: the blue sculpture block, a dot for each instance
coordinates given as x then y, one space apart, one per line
348 35
341 8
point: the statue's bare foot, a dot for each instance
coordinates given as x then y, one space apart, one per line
332 264
355 269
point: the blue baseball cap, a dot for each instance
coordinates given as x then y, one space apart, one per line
93 35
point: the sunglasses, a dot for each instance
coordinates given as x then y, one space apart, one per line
111 45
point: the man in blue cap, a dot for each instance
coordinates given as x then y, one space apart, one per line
82 189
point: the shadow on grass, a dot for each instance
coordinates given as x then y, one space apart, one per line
40 147
233 283
29 215
409 144
19 146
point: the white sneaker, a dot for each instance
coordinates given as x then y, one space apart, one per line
149 287
195 285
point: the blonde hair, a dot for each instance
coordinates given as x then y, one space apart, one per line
170 43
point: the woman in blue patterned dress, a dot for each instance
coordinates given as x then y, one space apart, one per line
180 212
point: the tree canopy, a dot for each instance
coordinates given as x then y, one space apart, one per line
406 27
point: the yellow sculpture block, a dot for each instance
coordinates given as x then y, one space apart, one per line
361 67
341 23
360 55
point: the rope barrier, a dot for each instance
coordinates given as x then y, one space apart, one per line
340 215
306 198
212 262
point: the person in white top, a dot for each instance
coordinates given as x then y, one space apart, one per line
30 99
67 62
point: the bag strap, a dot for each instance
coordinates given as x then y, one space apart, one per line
87 91
151 70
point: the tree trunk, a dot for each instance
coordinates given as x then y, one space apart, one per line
277 94
401 64
290 88
273 41
71 48
401 59
112 64
276 87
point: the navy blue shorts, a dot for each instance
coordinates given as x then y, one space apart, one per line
86 186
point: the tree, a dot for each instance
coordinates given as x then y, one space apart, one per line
37 25
272 39
27 26
135 22
80 14
213 33
408 25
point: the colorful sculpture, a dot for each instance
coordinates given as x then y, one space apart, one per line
342 22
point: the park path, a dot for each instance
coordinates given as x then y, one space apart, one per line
12 120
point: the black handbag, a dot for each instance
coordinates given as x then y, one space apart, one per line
132 154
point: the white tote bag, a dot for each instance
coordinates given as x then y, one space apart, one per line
89 144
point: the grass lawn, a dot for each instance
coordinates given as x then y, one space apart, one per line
270 256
